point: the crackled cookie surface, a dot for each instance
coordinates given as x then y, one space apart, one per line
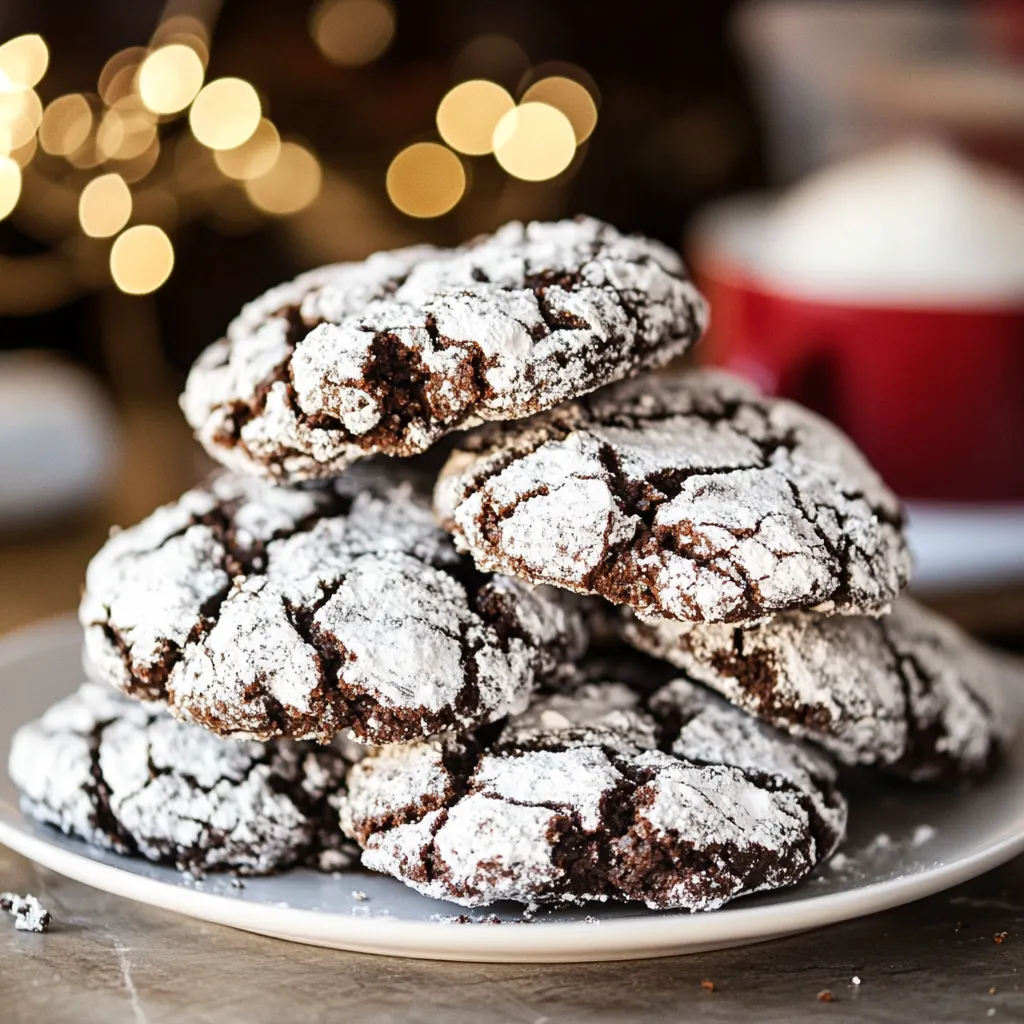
259 611
128 777
679 801
391 354
688 496
909 691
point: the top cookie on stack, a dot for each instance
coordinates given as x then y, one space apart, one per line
389 355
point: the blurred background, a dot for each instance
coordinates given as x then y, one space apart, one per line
845 179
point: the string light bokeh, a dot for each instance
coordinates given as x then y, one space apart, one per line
141 259
99 164
352 33
159 142
426 180
534 140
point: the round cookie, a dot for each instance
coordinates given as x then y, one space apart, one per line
909 692
390 355
681 801
127 777
687 496
259 611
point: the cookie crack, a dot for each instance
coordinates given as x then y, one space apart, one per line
923 743
102 816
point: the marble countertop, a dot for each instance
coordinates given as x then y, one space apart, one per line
109 960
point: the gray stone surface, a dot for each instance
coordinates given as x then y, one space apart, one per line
109 960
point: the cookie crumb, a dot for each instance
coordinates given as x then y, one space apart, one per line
991 1012
358 894
28 913
855 980
826 997
708 986
1000 937
991 990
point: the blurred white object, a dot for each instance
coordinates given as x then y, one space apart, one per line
837 78
58 447
964 546
912 223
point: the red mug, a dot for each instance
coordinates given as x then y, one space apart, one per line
934 396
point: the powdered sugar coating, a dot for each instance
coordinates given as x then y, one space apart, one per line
909 692
28 913
128 777
687 496
248 367
392 355
682 801
259 611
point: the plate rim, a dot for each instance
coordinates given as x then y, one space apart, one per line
543 941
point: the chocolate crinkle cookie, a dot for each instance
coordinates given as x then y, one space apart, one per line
909 692
677 801
259 611
688 496
391 354
127 777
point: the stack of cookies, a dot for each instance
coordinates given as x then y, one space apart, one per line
481 602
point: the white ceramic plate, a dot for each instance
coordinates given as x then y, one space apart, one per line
904 843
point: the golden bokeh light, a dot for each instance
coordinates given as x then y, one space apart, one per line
109 135
170 78
291 184
352 32
559 69
225 113
24 59
426 180
126 131
88 155
469 113
22 156
571 98
186 29
534 142
66 123
141 259
117 79
10 185
104 206
20 109
5 139
254 157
